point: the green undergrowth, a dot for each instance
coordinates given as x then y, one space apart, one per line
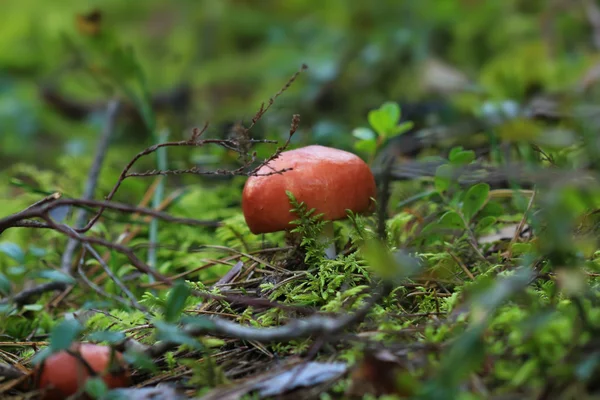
456 301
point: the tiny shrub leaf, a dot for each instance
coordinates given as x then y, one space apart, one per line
64 334
13 250
385 118
95 387
474 200
56 276
463 157
451 220
176 301
443 175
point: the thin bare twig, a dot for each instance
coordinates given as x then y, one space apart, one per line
18 219
25 296
115 279
296 329
43 208
112 112
195 141
48 199
135 261
520 226
97 288
9 372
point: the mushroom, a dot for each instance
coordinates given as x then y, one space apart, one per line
64 374
326 179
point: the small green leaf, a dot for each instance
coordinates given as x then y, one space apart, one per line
140 360
385 118
33 307
464 157
16 270
389 266
443 176
519 249
41 355
5 286
379 258
95 387
37 251
107 336
176 301
64 334
585 369
174 333
525 372
391 111
403 128
451 220
454 151
13 251
368 146
485 223
364 134
464 356
198 322
474 200
55 276
492 208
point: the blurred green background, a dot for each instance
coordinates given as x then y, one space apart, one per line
216 61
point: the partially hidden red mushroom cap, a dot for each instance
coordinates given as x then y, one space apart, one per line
63 374
326 179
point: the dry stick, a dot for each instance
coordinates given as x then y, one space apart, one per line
25 296
112 112
9 372
48 199
38 212
30 224
43 212
189 143
462 265
520 226
209 263
115 279
135 261
142 267
194 141
97 288
295 329
126 237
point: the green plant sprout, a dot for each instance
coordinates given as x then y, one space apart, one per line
383 127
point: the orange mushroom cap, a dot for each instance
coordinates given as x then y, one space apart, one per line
64 374
326 179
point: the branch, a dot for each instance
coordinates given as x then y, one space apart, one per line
38 211
9 372
115 279
112 112
296 329
241 146
191 143
25 296
135 261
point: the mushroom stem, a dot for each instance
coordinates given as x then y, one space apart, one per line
328 235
